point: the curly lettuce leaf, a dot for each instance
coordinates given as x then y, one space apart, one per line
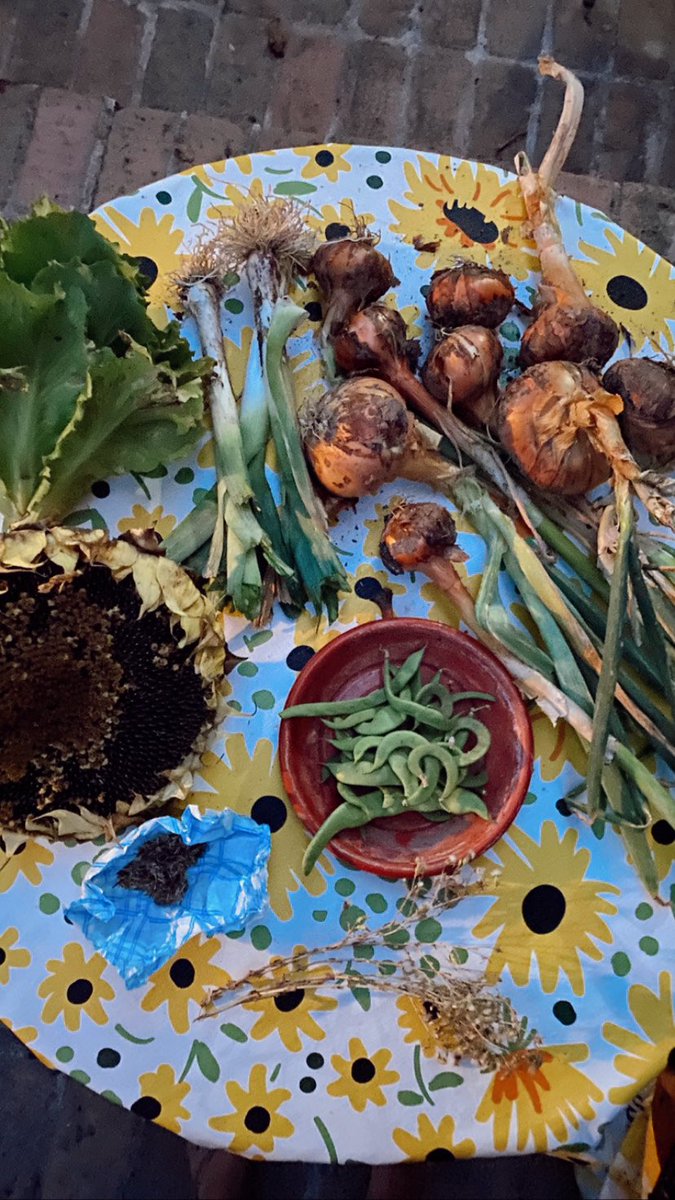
114 306
133 418
43 375
27 246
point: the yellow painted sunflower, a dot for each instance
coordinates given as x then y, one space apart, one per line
331 222
256 1120
184 980
329 161
236 195
355 609
208 173
416 1017
27 861
74 986
251 784
433 1143
545 907
154 239
375 526
469 212
643 1055
556 745
27 1034
633 284
143 519
290 1013
161 1098
551 1098
362 1076
10 954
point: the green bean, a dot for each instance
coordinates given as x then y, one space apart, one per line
408 670
363 745
355 775
463 801
435 689
401 739
444 756
428 715
399 765
365 802
426 791
336 708
352 721
384 721
345 816
483 740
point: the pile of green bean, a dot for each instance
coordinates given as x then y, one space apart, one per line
401 749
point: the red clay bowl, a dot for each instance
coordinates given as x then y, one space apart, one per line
351 666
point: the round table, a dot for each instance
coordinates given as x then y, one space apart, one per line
566 926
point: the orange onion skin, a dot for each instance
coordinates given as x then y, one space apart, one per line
351 273
569 333
466 365
545 417
469 294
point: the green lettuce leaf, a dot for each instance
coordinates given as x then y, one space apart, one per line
43 375
114 305
27 246
134 417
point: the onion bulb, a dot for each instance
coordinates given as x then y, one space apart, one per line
548 414
415 533
647 388
469 294
565 326
561 427
361 435
351 273
463 370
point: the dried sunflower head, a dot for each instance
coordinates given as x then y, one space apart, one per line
111 676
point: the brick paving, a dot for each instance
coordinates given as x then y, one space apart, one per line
100 96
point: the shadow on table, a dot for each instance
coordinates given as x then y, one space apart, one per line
60 1141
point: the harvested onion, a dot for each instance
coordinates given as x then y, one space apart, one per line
561 427
361 436
462 370
351 273
647 388
566 325
469 294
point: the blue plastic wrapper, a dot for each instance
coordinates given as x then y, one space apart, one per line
226 886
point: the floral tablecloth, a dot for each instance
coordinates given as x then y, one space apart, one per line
565 926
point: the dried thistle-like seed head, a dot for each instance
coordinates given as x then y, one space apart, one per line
272 227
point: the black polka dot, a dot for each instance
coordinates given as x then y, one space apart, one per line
375 182
472 222
335 231
307 1084
3 955
424 290
147 1106
314 310
663 833
383 156
287 1001
324 158
163 197
314 1061
80 991
100 489
107 1057
627 292
299 657
20 849
148 269
269 810
368 588
563 808
182 973
440 1154
257 1119
564 1012
543 908
362 1070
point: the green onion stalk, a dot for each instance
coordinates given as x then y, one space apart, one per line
267 240
233 564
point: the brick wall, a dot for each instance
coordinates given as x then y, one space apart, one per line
99 96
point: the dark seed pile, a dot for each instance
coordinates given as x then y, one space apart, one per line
96 705
160 868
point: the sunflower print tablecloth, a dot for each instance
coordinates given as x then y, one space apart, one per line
565 926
